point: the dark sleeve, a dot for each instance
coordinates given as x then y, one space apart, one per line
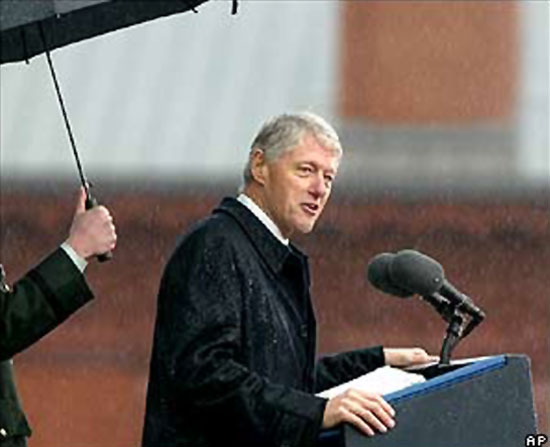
39 302
336 369
202 344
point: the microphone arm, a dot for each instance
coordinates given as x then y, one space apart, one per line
474 321
452 313
442 305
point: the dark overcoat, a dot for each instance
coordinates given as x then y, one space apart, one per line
39 302
233 361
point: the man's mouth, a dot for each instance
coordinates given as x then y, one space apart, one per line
310 208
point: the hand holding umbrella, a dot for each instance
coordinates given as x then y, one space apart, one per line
91 201
92 231
31 27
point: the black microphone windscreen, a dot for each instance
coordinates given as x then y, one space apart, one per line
416 272
379 276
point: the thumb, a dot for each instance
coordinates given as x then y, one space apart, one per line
81 202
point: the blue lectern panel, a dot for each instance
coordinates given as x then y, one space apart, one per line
448 379
488 403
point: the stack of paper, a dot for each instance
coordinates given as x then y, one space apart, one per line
383 380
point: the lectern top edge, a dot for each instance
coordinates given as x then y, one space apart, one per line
448 378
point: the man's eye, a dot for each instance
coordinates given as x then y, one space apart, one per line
305 169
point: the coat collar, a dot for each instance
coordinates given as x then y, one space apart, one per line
270 248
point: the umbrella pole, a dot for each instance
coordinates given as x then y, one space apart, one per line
91 202
64 113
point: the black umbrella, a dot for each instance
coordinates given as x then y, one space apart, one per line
31 27
69 21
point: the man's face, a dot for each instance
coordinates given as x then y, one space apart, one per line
298 184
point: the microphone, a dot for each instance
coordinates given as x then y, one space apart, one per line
417 273
378 275
409 272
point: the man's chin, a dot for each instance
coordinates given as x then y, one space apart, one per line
305 228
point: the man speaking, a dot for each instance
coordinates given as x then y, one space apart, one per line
233 359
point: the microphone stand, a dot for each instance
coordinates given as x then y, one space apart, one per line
452 314
454 335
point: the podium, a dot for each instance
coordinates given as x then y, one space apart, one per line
485 403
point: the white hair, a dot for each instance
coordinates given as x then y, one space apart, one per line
284 132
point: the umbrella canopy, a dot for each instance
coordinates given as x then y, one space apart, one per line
68 21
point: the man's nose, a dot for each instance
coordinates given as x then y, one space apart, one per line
318 187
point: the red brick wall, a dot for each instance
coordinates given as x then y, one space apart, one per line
429 61
84 384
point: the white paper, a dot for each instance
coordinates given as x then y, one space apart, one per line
383 380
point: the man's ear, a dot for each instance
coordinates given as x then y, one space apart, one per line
258 166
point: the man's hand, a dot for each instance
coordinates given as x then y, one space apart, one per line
365 410
403 357
92 232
